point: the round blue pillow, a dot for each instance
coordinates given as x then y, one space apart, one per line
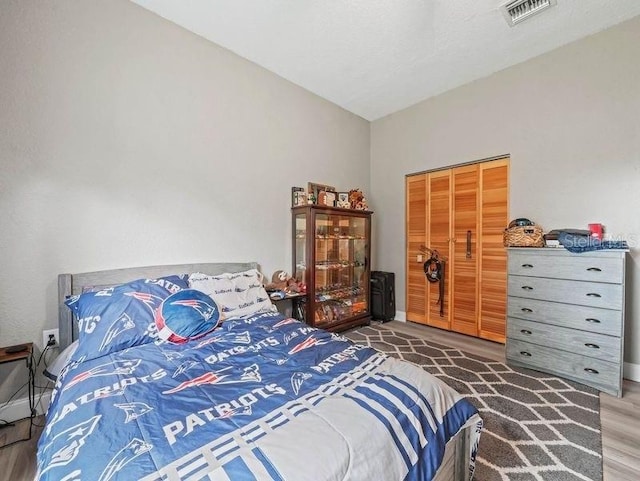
187 314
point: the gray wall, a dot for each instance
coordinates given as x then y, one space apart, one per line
570 120
126 140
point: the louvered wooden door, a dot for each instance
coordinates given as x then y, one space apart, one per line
439 238
494 194
464 259
416 204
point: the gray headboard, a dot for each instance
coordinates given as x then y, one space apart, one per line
70 284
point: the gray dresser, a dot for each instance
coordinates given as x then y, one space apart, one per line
565 314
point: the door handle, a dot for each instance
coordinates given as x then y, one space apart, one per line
594 269
527 266
526 309
468 244
593 294
529 288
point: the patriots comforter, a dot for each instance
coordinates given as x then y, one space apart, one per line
262 398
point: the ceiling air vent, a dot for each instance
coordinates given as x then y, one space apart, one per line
520 10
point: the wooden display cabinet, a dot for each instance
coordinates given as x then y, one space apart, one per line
331 255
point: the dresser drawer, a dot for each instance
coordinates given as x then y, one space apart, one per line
576 267
601 321
584 343
602 375
608 296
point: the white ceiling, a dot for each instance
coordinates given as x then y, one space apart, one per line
374 57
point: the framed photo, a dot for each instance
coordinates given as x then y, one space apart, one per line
315 189
295 192
300 198
330 198
343 200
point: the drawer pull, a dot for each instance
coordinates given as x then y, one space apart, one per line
591 371
592 320
527 266
594 269
592 346
525 353
526 309
529 288
593 294
524 331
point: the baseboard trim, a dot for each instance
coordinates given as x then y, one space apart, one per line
401 316
19 408
632 371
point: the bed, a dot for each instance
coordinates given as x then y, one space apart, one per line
261 397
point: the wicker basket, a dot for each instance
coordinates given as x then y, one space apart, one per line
524 236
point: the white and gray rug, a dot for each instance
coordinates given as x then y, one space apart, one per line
537 427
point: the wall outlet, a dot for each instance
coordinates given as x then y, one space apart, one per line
50 332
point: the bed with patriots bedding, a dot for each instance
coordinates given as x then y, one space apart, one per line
260 397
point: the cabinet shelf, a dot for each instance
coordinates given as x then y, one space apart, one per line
334 264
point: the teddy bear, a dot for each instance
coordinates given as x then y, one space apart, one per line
282 281
357 200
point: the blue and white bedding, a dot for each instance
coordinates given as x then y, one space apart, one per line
259 398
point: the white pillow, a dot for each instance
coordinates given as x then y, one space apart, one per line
238 294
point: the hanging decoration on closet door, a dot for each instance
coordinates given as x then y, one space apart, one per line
434 271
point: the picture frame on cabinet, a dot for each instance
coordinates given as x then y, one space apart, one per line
315 189
343 200
329 198
295 192
300 199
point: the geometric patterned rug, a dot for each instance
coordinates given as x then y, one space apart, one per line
537 427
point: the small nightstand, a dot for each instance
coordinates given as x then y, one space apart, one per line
27 355
297 305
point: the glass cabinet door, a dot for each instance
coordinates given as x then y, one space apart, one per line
341 280
300 247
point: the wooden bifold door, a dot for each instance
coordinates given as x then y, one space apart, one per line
461 212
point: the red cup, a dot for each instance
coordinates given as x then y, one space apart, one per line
596 231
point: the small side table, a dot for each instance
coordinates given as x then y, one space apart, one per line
297 305
27 355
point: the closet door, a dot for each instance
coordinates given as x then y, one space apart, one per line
416 222
464 257
439 238
494 191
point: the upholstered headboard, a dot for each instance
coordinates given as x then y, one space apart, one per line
70 284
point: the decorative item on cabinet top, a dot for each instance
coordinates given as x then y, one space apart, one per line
326 195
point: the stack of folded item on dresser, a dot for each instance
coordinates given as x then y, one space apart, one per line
579 240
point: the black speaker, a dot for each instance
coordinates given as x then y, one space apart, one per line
383 296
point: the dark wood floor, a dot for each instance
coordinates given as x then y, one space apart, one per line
18 462
620 418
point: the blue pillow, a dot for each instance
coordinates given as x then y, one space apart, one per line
119 317
185 315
